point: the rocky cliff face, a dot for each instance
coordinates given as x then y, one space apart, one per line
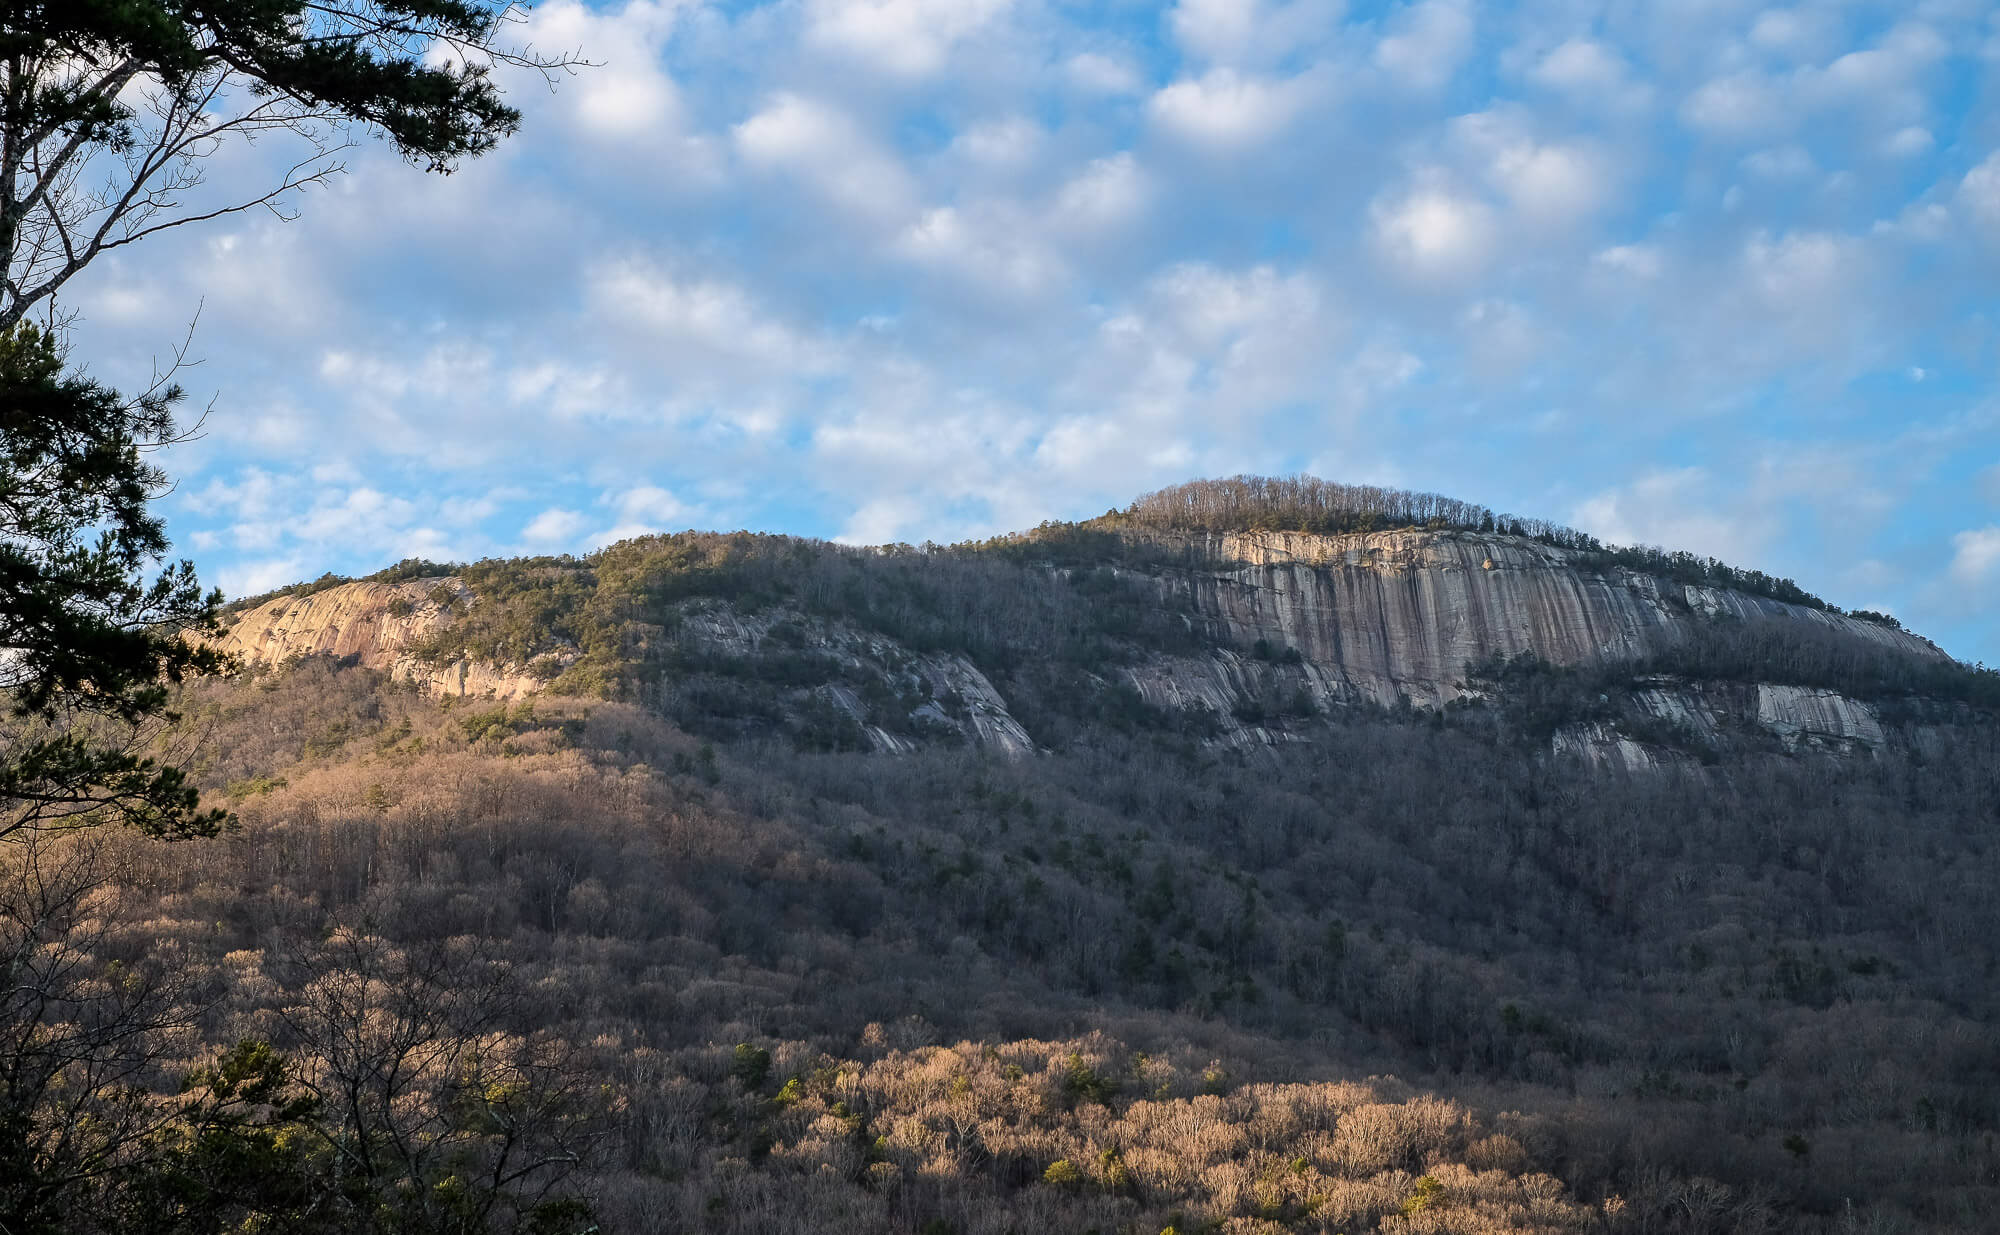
1295 625
949 694
1395 614
378 625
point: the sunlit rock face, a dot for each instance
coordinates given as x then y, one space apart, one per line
377 625
1392 614
1388 619
381 626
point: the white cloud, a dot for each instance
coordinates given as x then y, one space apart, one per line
1909 142
820 143
1975 555
1979 192
1434 232
994 248
1502 336
253 578
1109 192
1549 183
465 511
627 100
906 38
713 318
554 526
1095 73
1788 162
1008 143
1884 88
1225 109
365 510
1739 107
1794 34
1684 508
1427 44
1251 31
1217 29
1639 260
884 521
1884 78
644 510
1590 72
1802 271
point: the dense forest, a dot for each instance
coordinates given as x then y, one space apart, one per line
659 950
566 959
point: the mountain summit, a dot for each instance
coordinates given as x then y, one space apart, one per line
1238 612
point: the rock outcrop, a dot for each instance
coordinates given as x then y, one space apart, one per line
378 625
957 696
1296 625
381 625
1400 614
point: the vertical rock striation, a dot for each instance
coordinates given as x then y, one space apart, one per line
1391 614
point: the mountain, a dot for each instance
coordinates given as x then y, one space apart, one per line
1265 856
1245 635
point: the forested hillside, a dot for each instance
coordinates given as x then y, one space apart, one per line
670 946
1135 985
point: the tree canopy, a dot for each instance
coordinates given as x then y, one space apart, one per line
109 107
87 645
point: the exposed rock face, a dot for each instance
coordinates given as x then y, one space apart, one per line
1401 613
959 695
1378 618
377 624
1604 747
1798 714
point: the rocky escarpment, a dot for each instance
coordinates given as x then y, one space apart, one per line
381 626
1392 615
385 626
1275 631
1391 618
935 695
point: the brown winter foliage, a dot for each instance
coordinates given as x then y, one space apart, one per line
1136 986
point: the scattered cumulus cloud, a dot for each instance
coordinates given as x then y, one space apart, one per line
905 38
1433 231
1685 508
829 153
1228 110
1975 558
1591 74
896 269
1426 44
554 526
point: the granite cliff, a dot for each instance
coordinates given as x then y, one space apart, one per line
379 626
1249 637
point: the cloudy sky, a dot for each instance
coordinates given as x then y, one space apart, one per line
1706 274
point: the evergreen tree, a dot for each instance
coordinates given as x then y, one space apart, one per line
88 646
109 107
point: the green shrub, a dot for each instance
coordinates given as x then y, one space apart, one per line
1062 1173
750 1064
1428 1193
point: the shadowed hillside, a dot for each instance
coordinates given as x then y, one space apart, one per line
775 885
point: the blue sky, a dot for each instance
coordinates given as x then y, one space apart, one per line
1711 275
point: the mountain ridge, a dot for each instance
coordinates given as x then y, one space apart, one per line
1241 636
